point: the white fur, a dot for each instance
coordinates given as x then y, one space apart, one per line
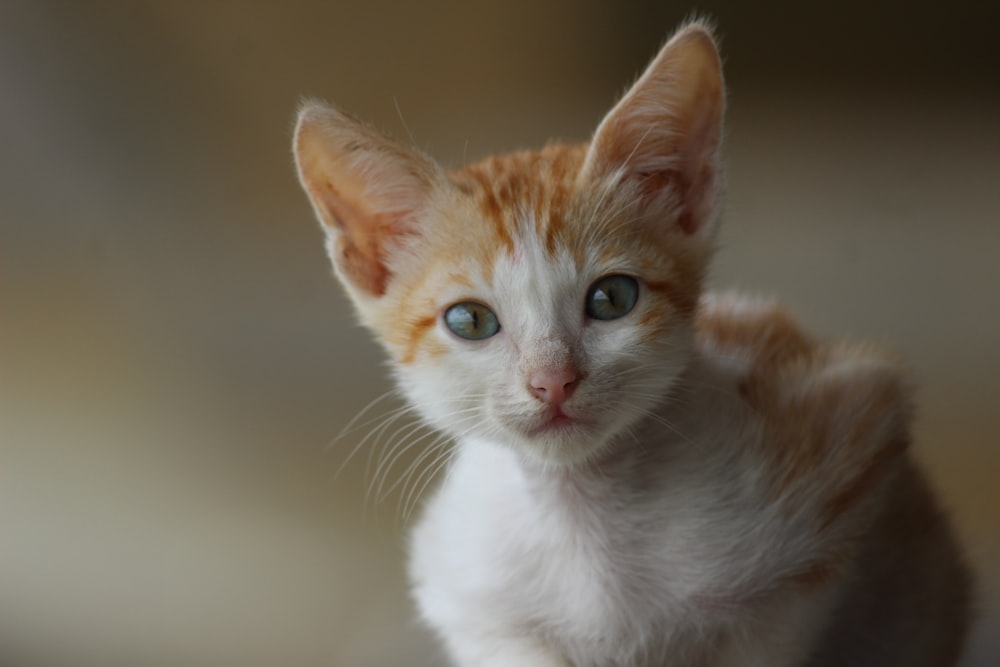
662 550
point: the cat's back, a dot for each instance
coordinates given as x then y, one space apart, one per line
836 421
834 417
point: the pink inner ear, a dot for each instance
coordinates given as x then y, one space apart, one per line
666 131
356 243
674 161
697 193
357 267
367 192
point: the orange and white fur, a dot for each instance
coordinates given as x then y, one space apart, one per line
643 475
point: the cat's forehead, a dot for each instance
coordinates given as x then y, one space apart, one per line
528 223
528 208
525 194
537 177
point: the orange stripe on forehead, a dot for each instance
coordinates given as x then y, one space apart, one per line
536 183
553 213
478 182
554 230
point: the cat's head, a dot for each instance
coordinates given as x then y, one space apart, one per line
543 299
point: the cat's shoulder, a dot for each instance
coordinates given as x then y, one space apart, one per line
784 372
831 420
749 332
759 337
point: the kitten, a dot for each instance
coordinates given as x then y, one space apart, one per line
643 475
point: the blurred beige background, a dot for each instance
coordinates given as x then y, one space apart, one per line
175 358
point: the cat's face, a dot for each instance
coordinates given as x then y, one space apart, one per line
541 299
546 312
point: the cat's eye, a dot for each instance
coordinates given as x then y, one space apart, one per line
471 320
612 297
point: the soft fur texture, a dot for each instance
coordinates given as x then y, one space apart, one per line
696 482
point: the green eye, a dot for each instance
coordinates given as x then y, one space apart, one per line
612 297
471 320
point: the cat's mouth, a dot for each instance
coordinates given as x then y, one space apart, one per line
556 421
561 435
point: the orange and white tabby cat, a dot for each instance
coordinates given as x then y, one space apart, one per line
644 475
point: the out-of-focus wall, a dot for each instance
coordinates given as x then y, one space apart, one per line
175 359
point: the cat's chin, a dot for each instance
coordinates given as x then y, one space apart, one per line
559 440
567 435
556 423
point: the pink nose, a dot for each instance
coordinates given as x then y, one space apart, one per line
553 385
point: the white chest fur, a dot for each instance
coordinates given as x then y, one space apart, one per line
624 562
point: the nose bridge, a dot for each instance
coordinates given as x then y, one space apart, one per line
547 339
548 353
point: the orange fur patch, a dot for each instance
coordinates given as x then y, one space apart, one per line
537 197
414 335
835 416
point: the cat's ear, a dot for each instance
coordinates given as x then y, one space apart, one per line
663 138
368 192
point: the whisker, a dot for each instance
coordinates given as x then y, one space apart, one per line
382 495
374 433
387 449
354 420
399 446
442 454
377 435
442 457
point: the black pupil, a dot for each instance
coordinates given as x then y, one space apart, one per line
611 297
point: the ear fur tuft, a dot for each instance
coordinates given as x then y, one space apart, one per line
367 191
664 136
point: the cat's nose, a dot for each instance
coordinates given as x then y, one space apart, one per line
554 386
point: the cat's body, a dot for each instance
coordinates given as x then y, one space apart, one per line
703 538
643 475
